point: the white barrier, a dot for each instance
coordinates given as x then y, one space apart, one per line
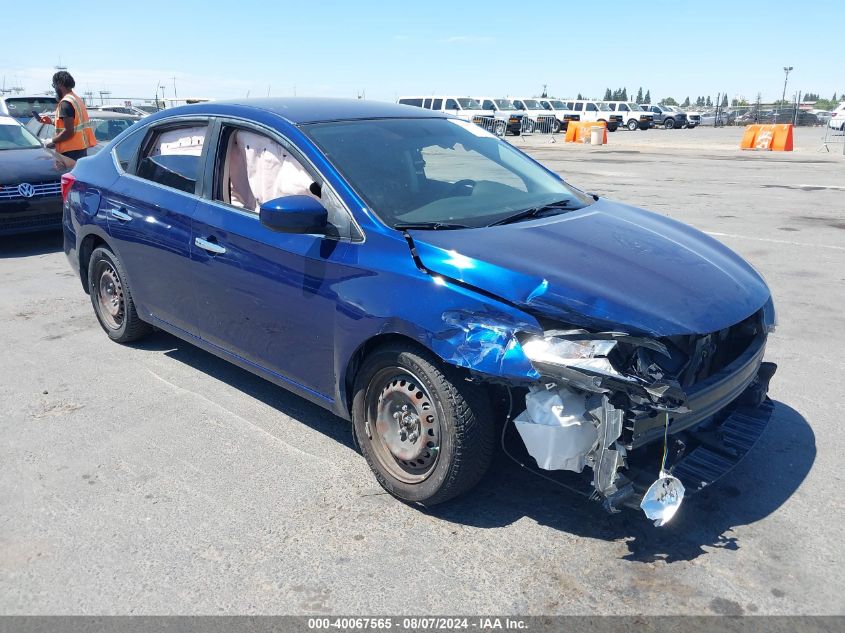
491 124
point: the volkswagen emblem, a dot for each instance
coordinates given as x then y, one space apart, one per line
26 190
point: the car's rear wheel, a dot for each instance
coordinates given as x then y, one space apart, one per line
633 124
427 434
112 298
669 123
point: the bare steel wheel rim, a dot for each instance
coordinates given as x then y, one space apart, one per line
403 425
109 295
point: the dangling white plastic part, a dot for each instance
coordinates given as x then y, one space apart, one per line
663 498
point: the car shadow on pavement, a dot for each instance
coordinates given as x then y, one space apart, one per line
508 493
757 487
251 385
29 244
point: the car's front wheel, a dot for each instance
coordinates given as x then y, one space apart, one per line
427 434
669 123
633 124
112 299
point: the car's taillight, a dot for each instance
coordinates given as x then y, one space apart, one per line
833 114
67 184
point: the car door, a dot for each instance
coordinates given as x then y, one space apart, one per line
264 297
149 211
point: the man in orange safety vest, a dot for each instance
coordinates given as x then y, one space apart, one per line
73 129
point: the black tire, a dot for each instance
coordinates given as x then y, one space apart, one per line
669 123
111 298
633 125
465 435
612 127
556 127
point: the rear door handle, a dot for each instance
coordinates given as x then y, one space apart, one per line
211 247
120 214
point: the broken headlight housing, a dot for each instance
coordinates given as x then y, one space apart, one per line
563 349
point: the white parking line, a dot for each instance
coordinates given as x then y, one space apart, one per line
764 239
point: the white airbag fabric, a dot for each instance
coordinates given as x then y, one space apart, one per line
556 430
184 141
261 170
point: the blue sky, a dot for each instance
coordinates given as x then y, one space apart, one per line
229 49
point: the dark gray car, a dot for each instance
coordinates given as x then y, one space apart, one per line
667 116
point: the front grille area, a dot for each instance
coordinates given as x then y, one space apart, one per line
43 220
40 189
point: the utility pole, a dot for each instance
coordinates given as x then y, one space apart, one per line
175 98
786 71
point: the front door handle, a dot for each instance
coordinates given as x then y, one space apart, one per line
211 247
120 214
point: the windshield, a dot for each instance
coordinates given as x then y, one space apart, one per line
437 171
603 106
505 104
532 104
634 107
22 107
17 137
469 104
558 105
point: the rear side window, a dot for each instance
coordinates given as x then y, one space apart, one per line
579 107
126 150
427 104
438 104
172 157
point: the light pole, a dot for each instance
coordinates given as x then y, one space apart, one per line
786 70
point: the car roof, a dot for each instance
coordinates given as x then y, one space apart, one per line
299 110
5 119
96 113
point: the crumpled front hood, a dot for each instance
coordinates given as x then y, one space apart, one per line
608 266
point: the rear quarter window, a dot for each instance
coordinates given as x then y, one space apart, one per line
172 157
126 150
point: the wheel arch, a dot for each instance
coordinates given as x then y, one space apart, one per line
87 245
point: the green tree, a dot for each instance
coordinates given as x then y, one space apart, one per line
624 94
647 98
607 96
640 95
708 103
579 97
725 101
686 103
668 101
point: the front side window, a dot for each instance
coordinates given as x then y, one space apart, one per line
172 157
451 104
253 168
579 107
17 137
427 104
437 105
437 170
488 105
591 107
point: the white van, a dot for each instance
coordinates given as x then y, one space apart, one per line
543 120
465 108
590 110
505 110
633 116
563 111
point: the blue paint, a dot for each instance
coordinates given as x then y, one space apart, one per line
296 308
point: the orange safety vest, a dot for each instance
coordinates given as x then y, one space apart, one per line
83 136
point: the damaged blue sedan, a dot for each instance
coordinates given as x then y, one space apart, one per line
426 280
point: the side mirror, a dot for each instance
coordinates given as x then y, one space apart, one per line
294 214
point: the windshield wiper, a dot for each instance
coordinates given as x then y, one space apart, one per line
532 212
429 226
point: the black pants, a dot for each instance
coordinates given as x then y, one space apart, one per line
76 154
